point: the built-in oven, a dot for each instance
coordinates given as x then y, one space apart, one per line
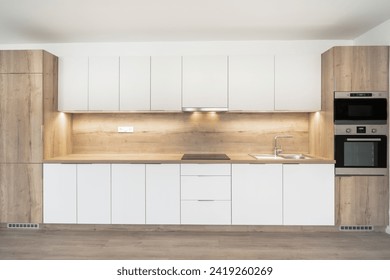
360 107
361 149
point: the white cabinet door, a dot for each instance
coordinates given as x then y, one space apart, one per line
128 193
251 83
73 84
162 194
205 188
308 191
166 83
206 212
104 83
205 81
298 82
59 193
257 194
135 83
93 194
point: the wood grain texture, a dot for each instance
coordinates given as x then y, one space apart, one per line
20 118
20 61
321 123
362 200
57 126
361 68
185 133
192 245
21 193
370 68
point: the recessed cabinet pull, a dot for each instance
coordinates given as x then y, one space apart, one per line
205 200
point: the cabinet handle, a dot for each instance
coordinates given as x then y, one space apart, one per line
205 200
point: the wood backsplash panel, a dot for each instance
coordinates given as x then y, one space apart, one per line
195 132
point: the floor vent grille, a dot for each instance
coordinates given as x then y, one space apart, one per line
23 225
356 228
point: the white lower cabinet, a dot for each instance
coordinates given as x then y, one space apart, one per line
128 193
206 212
218 194
206 194
94 193
257 191
162 194
308 194
59 193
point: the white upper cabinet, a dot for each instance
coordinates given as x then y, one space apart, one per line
135 83
251 83
104 83
73 84
298 82
166 83
205 81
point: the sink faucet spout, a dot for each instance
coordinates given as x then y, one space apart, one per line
277 146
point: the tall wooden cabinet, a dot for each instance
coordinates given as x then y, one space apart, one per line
25 78
360 200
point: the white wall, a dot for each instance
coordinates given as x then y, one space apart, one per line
184 48
379 35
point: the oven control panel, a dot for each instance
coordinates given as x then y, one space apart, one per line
361 129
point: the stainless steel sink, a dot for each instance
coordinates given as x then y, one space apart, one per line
280 156
265 156
294 156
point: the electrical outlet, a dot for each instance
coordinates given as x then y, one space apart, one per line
125 129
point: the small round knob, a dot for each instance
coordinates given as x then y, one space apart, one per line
348 130
374 130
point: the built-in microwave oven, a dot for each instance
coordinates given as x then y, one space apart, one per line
361 149
360 107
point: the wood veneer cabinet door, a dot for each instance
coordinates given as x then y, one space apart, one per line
21 117
362 200
361 68
21 61
23 202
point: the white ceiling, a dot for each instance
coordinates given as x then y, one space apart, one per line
63 21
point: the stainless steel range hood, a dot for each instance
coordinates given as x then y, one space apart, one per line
204 109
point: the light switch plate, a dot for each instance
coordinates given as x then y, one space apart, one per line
125 129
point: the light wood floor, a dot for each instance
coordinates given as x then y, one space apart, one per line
103 244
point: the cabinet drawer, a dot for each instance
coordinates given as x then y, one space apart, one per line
205 187
206 212
205 169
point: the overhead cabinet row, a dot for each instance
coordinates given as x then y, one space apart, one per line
171 83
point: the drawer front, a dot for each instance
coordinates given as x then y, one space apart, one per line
206 187
205 169
206 212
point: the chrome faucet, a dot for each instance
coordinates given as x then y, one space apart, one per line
277 147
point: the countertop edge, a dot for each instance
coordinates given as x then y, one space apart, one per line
175 159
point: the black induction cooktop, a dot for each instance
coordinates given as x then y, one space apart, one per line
205 157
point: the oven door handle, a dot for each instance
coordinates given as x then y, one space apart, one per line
364 139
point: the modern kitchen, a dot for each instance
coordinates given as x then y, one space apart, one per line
208 147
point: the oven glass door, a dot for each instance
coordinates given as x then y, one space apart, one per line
361 151
371 110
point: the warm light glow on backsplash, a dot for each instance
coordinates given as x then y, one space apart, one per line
195 132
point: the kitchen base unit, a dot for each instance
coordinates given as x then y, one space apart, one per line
308 194
257 197
362 200
206 194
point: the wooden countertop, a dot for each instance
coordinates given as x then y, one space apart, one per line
172 158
